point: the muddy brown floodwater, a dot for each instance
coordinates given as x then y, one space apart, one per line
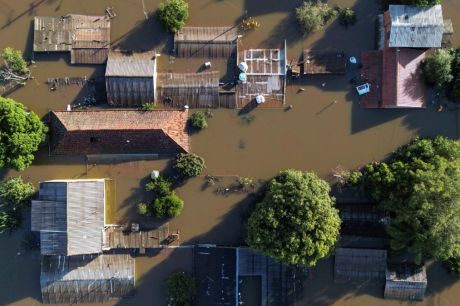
316 134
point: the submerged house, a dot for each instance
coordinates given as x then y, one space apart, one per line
160 132
70 216
87 38
197 90
262 77
206 42
130 78
357 265
394 71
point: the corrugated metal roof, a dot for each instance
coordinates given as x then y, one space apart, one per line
359 264
416 27
86 279
207 34
70 216
130 64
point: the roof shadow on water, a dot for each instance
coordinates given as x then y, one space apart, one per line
12 16
148 34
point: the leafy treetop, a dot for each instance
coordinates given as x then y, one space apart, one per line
296 222
14 60
181 289
173 14
21 133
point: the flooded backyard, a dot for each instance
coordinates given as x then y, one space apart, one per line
324 129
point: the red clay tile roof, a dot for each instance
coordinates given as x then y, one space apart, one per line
395 78
119 131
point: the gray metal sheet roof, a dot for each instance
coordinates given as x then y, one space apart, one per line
416 27
86 278
70 216
130 64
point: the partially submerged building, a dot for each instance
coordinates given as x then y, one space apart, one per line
394 72
130 78
160 132
236 276
87 38
405 282
86 278
70 216
324 62
206 42
196 90
357 265
264 76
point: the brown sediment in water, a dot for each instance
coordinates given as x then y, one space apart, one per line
323 129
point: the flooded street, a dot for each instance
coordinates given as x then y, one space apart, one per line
324 129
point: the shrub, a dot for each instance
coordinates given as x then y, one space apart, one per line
198 121
437 69
168 207
354 178
21 134
249 24
453 92
173 14
181 289
160 187
148 106
189 164
313 16
143 209
14 60
347 17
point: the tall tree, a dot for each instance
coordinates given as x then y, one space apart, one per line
173 14
21 132
296 222
437 68
420 190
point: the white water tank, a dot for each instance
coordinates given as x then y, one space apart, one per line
243 66
260 99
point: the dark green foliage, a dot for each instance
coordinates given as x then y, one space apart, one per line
453 92
421 2
296 222
173 14
181 289
169 206
437 68
198 121
347 17
14 196
14 60
189 165
420 190
148 106
160 187
21 133
453 265
313 16
354 178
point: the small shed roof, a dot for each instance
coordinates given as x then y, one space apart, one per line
119 131
264 61
405 281
359 264
207 34
130 64
70 216
416 27
86 278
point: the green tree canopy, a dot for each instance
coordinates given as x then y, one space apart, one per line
189 165
14 196
181 289
14 60
296 222
173 14
453 92
313 16
169 206
198 121
437 68
21 132
420 189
